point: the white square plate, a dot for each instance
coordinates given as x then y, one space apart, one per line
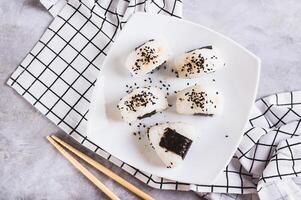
217 137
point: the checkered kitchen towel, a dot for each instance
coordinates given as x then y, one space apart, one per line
58 75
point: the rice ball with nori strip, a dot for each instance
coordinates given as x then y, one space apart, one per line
196 62
171 141
196 100
146 57
142 103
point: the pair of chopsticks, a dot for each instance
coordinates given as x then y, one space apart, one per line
60 145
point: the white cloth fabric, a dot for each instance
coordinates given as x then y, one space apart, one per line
270 152
58 75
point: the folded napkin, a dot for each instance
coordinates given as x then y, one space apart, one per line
58 76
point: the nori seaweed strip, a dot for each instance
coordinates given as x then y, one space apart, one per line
143 44
175 142
147 115
205 47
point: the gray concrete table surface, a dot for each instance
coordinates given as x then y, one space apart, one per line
31 169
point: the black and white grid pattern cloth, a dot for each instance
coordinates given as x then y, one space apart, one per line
58 75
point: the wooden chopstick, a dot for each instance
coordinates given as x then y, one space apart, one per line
83 170
104 170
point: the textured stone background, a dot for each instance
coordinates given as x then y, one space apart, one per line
31 169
